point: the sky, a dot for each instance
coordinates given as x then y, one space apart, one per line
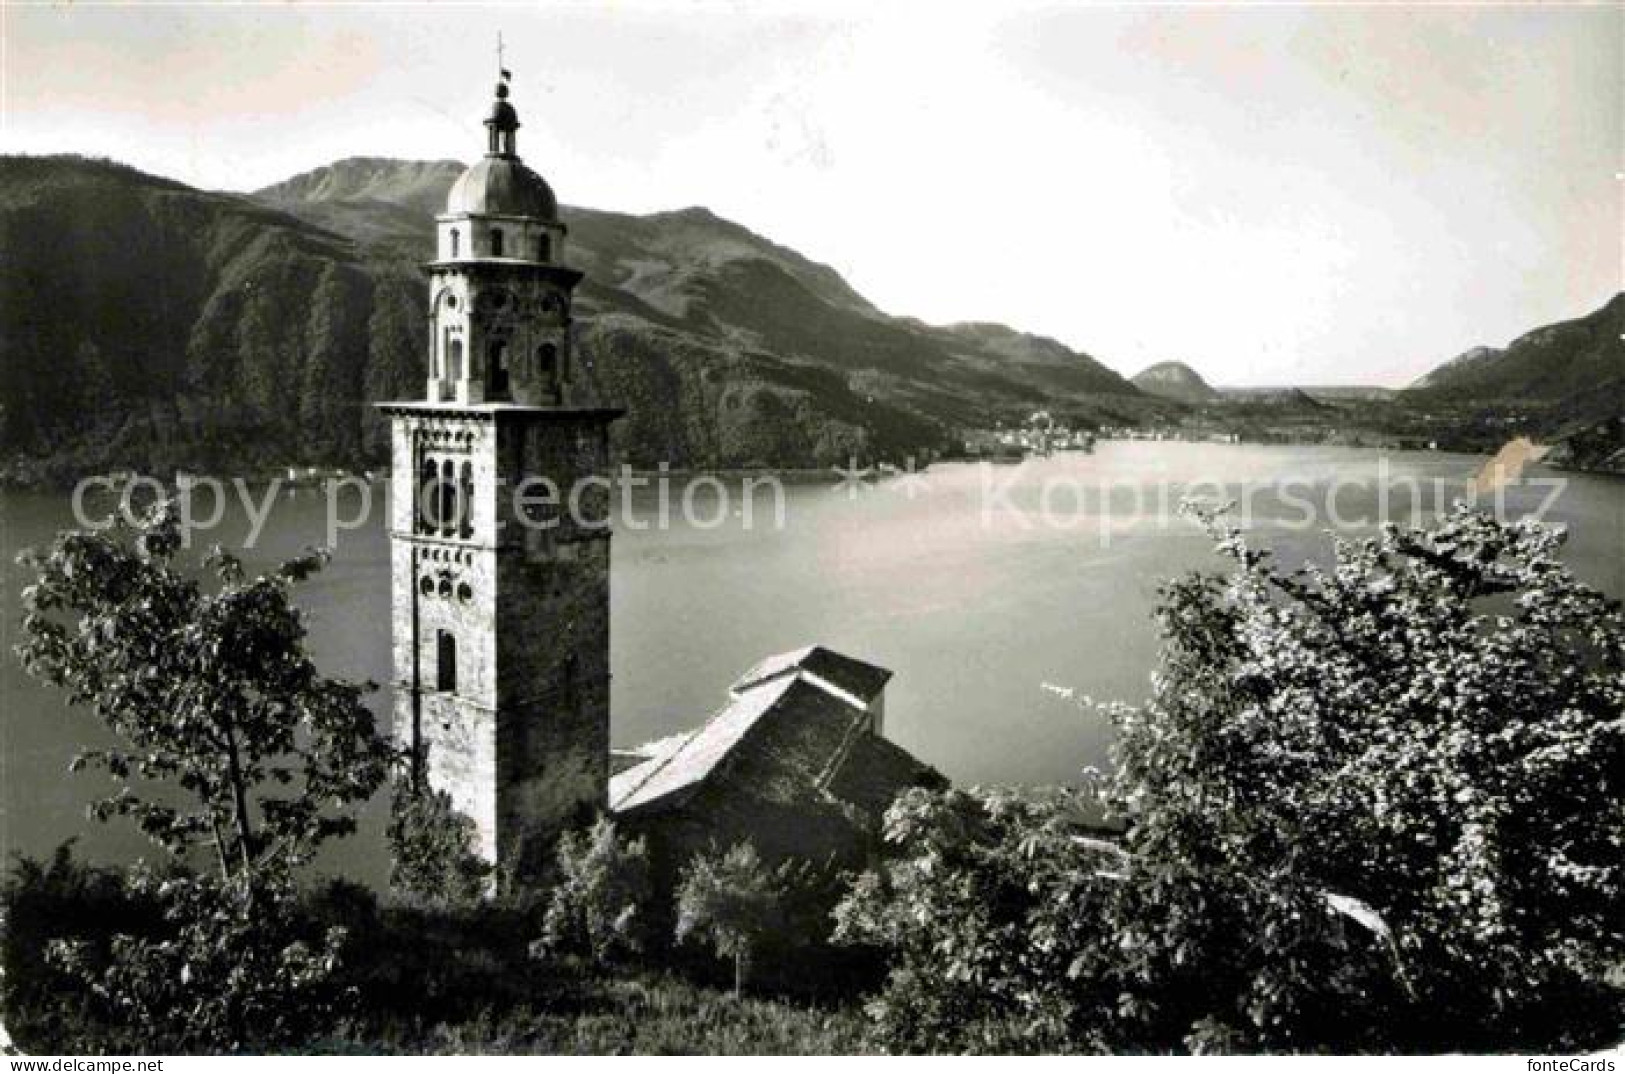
1275 194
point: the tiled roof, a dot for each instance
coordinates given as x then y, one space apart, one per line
875 771
682 762
808 692
857 678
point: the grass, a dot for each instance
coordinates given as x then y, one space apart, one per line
639 1013
424 979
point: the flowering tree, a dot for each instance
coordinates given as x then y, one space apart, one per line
1390 783
1375 804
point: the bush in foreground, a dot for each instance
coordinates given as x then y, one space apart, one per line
1375 806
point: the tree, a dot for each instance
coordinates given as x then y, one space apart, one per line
210 694
729 901
229 738
598 904
1372 805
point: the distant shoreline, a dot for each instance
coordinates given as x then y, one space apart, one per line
316 477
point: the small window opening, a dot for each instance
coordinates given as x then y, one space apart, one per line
499 370
465 519
427 480
448 499
445 661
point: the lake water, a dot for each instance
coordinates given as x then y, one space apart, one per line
975 584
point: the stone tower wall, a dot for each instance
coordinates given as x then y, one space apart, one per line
553 634
521 744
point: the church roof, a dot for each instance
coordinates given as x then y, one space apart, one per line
681 763
863 681
499 185
803 688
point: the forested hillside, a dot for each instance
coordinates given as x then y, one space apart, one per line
148 325
1551 363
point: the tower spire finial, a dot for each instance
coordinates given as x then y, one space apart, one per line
502 71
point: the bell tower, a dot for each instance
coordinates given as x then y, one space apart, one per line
499 523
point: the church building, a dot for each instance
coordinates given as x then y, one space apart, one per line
500 601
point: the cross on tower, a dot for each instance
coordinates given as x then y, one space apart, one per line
502 69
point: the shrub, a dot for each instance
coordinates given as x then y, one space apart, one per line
227 971
994 918
598 904
44 1008
430 845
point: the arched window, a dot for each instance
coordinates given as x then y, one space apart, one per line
547 361
544 247
456 243
496 242
499 370
445 661
425 496
465 520
454 364
448 499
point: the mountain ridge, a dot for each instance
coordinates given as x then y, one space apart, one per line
1548 363
169 326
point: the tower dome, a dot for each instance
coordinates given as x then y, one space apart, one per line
500 184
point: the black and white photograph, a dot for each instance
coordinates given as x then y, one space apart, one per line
651 527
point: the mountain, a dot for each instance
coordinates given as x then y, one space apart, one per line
1177 381
715 292
144 323
1348 393
1276 397
1564 383
149 325
1550 364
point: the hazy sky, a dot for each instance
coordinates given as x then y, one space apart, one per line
1329 194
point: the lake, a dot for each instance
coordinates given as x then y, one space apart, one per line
975 584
